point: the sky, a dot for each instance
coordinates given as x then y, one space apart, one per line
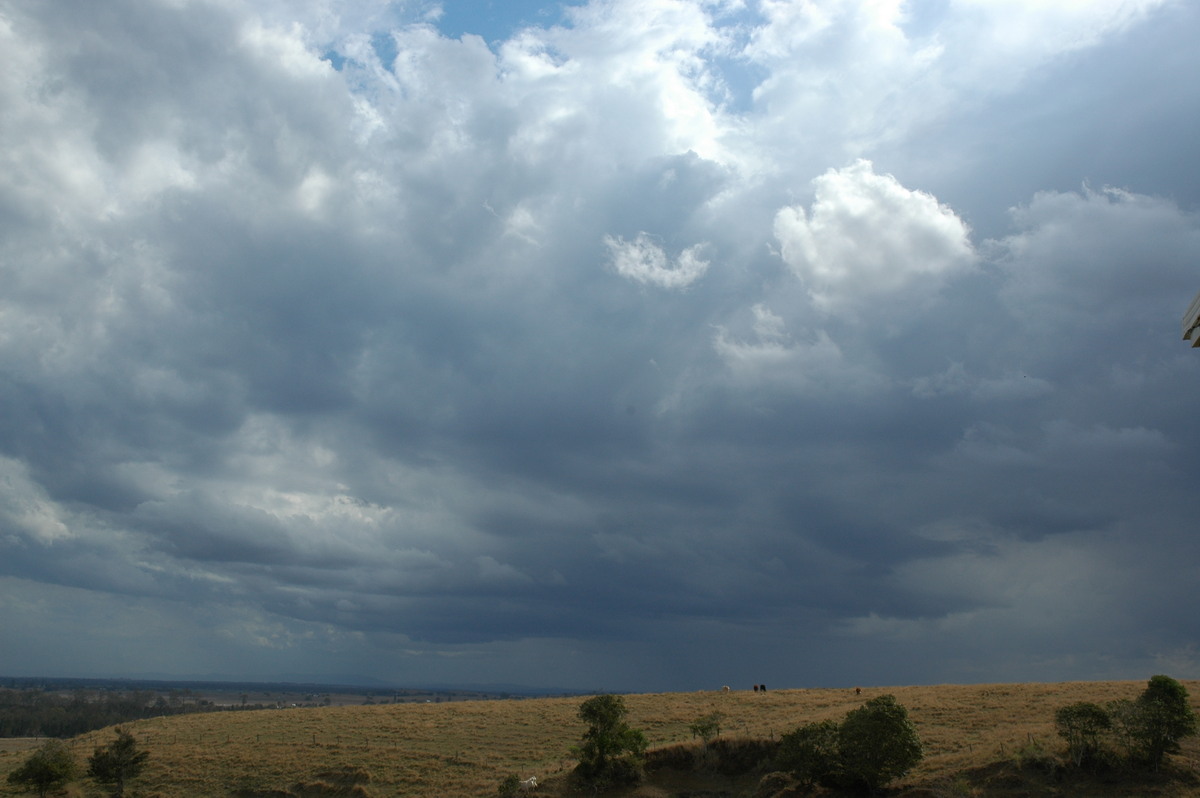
634 345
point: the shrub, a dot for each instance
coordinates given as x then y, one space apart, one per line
739 755
117 762
681 756
707 727
1082 724
611 752
1152 726
877 743
510 787
873 745
1033 755
810 753
1125 718
1168 717
51 766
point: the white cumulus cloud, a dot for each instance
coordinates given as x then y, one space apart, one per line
646 262
866 237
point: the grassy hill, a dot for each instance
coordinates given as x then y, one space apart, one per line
980 740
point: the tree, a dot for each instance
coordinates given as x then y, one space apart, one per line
1151 727
1166 718
1081 724
810 753
117 762
877 743
611 751
707 727
49 767
1127 722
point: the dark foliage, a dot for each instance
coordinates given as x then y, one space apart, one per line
728 756
1082 725
1152 726
1168 717
707 727
873 745
510 786
51 766
877 743
117 762
611 752
42 713
810 753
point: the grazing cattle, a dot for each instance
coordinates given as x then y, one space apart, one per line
858 691
756 688
529 784
725 689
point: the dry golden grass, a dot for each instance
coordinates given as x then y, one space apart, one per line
466 748
19 743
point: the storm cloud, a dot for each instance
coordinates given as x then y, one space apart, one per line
629 345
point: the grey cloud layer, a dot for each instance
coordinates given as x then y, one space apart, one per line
581 359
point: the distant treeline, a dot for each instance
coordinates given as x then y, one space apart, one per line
32 712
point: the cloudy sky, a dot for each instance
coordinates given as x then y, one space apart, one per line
629 344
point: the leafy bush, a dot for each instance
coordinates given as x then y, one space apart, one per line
1082 725
611 752
117 762
1152 726
51 766
1126 720
739 755
707 727
873 745
1167 717
877 743
810 753
510 787
1033 755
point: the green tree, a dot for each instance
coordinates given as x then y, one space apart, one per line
707 727
876 744
611 751
1166 718
1151 727
117 762
1082 724
50 767
1127 721
810 753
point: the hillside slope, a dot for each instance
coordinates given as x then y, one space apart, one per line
976 737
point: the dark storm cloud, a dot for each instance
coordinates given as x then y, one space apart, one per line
561 361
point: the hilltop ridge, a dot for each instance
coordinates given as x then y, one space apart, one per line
986 739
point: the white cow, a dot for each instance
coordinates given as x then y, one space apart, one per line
529 784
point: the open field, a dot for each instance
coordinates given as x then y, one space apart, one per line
10 744
466 748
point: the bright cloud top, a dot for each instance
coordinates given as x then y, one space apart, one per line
867 237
